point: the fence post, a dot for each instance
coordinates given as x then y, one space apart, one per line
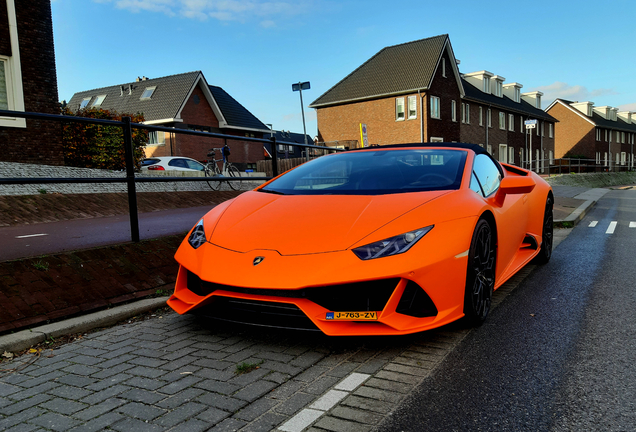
130 180
274 157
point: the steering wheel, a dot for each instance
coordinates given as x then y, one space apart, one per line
433 178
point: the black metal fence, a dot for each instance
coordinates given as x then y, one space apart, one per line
131 179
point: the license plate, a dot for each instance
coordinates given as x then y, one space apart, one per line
352 316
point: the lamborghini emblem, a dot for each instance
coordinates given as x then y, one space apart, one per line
258 260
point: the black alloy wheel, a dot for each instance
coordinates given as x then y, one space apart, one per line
545 253
480 276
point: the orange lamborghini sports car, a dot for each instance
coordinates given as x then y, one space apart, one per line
377 241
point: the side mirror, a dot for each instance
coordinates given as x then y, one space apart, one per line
514 185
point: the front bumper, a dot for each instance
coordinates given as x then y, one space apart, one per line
411 292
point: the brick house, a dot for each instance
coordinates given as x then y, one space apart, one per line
414 92
28 82
493 114
602 134
183 101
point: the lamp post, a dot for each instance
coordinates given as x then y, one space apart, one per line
299 87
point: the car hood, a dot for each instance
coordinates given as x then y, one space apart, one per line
306 224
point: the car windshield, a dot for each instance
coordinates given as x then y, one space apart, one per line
374 173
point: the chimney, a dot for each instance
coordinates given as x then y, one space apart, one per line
130 89
138 79
121 90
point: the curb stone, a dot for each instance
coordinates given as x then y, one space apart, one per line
27 338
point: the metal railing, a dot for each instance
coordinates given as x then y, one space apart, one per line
131 179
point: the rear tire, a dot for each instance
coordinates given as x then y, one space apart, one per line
234 172
547 236
480 275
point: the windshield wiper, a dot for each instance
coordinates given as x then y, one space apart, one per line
271 191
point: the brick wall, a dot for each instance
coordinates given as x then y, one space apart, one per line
572 133
447 90
41 141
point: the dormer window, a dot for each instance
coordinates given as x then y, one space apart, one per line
486 85
517 94
98 100
84 102
147 94
498 88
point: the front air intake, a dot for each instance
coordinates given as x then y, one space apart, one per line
415 302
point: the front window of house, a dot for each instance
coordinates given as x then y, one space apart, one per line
502 121
435 107
453 110
399 109
4 95
412 107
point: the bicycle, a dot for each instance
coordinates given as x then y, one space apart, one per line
212 170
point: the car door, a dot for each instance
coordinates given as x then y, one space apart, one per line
511 217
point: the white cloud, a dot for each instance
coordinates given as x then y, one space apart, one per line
570 92
222 10
628 107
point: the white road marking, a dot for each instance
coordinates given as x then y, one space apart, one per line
31 235
592 224
611 227
632 224
327 401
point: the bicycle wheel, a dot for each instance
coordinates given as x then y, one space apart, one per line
214 184
232 171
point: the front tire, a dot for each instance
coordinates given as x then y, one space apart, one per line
480 275
214 184
547 236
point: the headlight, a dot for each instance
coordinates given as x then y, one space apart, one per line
197 236
391 246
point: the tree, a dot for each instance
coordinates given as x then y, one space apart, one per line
99 146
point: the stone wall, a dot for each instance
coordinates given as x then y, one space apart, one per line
21 170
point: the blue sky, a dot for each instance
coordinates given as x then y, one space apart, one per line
578 50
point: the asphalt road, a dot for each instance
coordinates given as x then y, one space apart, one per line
558 354
56 237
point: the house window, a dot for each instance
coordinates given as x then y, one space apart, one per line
521 156
598 134
466 113
605 159
98 100
521 124
489 118
435 107
399 108
453 111
84 102
11 91
156 138
444 67
598 158
623 158
550 130
503 153
486 85
412 107
4 96
517 95
502 120
542 129
481 116
489 149
618 136
623 137
498 88
147 94
437 139
511 122
511 155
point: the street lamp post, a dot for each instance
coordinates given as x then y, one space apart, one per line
299 88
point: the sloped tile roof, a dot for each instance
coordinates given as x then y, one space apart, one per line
235 114
598 120
165 103
395 69
472 93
